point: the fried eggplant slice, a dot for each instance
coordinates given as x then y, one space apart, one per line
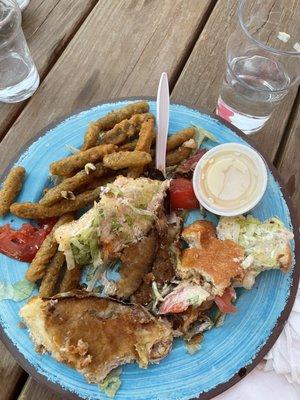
69 165
95 335
11 188
110 120
137 261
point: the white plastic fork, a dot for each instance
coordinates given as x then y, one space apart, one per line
162 112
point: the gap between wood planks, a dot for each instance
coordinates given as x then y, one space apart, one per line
287 131
58 50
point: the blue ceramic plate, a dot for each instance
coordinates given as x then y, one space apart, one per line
227 353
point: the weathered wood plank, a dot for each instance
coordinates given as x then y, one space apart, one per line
33 390
201 79
10 373
120 50
48 27
289 160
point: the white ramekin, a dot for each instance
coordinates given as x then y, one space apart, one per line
251 153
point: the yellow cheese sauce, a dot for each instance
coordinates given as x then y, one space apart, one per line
231 179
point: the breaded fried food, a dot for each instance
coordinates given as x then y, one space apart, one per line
130 146
144 142
217 262
50 279
176 156
80 330
11 188
69 165
71 279
80 179
179 138
125 129
126 159
110 120
137 260
45 253
39 211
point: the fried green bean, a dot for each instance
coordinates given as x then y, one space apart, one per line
45 253
126 159
130 146
11 188
69 165
179 138
144 142
38 211
54 194
125 129
70 279
110 120
175 157
50 279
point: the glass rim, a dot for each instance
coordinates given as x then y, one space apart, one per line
294 53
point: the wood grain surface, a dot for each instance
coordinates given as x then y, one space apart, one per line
48 26
120 50
90 50
289 160
10 374
34 391
201 79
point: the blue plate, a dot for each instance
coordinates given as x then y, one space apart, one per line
227 353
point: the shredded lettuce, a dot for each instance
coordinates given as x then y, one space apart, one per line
263 241
72 149
115 190
201 135
17 291
111 384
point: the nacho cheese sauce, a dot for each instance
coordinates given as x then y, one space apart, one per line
231 179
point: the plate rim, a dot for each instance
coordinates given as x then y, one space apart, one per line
278 327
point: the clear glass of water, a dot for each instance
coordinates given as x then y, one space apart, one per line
19 78
263 62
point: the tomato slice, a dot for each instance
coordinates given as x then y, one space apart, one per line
23 244
182 196
224 302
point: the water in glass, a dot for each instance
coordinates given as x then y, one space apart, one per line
18 74
252 87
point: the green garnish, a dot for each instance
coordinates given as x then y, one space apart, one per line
17 291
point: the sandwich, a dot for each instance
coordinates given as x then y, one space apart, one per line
267 244
80 329
125 214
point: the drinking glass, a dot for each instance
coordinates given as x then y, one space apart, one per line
263 62
19 78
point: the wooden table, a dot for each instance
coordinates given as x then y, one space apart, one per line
90 50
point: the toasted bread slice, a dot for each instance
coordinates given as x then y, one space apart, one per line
213 260
95 335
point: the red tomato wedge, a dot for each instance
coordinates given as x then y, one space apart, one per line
22 244
224 302
182 196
